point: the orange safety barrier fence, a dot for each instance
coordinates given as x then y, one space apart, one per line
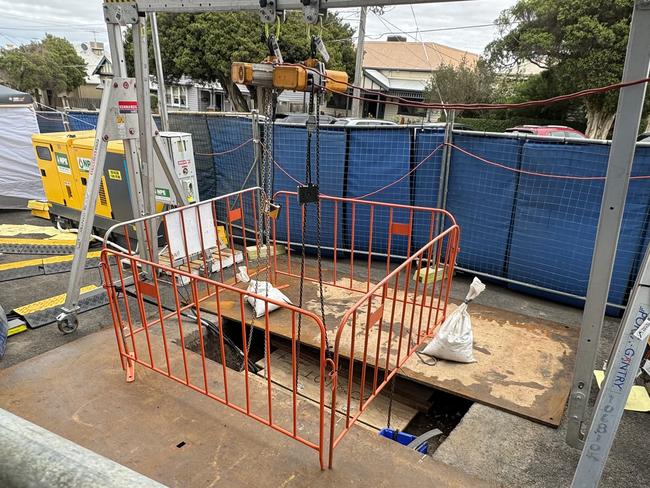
184 282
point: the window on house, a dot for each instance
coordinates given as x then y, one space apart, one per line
183 96
412 111
177 96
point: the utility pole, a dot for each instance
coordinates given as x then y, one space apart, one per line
358 68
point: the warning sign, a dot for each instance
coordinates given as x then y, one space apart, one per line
63 164
127 106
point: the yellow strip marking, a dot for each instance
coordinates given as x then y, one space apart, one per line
15 230
43 261
16 330
48 302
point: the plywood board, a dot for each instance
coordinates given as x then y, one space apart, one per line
309 381
524 364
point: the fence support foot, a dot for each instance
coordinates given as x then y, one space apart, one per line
130 371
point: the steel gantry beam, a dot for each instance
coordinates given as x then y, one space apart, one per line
189 6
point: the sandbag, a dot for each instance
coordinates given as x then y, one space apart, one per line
454 340
265 289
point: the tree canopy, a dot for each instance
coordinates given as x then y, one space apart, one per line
203 46
582 44
464 83
51 64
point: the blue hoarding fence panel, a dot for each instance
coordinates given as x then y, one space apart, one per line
82 120
556 219
426 166
50 121
482 199
290 152
233 158
378 158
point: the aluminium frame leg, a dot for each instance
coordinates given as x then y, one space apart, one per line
67 320
619 168
621 372
145 123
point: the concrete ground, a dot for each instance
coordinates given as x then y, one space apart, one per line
498 446
489 444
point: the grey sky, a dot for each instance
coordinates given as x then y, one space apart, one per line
81 20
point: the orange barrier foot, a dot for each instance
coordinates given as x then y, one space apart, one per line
130 371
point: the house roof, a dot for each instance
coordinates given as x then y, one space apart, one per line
96 61
9 96
393 83
413 56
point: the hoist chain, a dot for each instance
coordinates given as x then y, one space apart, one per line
319 259
263 216
314 109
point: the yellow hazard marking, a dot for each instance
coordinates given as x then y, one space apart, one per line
16 241
51 302
12 230
114 174
42 261
16 330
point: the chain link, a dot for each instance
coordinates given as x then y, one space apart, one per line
263 217
302 237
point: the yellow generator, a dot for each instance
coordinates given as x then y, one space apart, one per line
65 157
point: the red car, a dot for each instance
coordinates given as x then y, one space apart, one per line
548 130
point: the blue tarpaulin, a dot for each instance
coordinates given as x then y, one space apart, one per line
377 158
82 120
556 219
426 180
290 148
233 158
481 198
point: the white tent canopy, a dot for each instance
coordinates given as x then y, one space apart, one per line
20 178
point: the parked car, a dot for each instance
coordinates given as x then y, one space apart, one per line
349 121
442 125
645 137
548 130
301 119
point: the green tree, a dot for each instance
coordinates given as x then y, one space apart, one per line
583 43
204 46
541 87
51 65
463 83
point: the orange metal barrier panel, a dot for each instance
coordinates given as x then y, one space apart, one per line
185 280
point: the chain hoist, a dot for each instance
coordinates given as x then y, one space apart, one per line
309 193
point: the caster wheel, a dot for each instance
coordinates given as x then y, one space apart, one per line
67 324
